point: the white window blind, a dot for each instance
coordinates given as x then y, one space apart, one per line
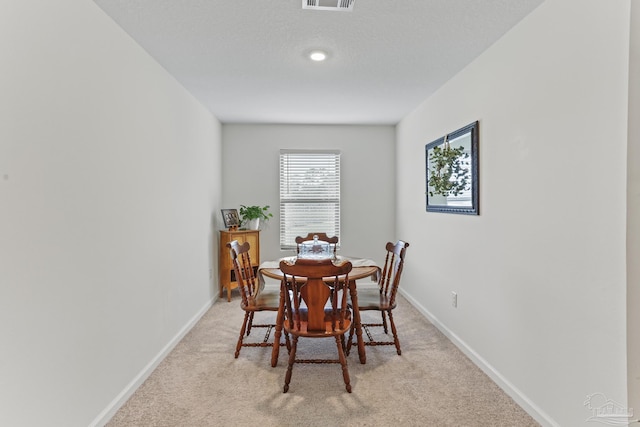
309 194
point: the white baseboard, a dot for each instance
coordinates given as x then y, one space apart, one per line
531 408
111 409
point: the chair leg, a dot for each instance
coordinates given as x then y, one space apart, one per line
384 322
250 323
287 342
292 360
242 330
350 339
343 362
395 334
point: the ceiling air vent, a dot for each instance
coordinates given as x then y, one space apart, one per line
344 5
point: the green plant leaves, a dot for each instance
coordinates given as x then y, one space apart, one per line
448 171
253 212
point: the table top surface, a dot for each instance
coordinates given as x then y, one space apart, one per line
355 274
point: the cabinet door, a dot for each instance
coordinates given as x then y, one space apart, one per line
254 242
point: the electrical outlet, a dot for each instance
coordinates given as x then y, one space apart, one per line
211 273
454 299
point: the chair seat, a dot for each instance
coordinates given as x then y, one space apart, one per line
328 332
266 300
371 299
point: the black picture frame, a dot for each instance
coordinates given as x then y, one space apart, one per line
467 203
230 217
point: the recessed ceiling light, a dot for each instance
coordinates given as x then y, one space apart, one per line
317 55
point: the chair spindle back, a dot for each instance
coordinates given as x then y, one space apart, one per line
244 271
333 241
392 270
313 286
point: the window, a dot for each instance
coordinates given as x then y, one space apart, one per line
309 194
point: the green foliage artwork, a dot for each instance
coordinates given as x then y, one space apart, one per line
448 170
452 172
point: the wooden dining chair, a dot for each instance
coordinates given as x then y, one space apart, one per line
333 241
253 299
383 299
316 306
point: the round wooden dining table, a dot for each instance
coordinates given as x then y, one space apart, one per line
358 272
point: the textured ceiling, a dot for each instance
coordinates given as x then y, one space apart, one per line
245 59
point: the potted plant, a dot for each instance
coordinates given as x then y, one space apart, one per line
251 215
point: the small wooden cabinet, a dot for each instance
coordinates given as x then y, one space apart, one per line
225 266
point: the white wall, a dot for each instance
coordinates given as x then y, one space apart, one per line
540 274
109 179
250 167
633 215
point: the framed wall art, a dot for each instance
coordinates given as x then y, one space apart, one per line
452 172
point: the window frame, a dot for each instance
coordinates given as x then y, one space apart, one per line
328 198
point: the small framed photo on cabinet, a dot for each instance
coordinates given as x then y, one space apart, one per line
230 217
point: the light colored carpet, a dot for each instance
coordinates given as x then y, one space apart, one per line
431 384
